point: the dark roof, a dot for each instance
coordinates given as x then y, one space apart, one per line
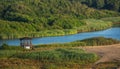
25 38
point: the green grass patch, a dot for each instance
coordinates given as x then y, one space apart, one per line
8 53
96 41
34 29
94 25
114 20
61 55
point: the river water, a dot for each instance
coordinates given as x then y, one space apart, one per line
109 33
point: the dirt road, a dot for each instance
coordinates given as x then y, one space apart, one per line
108 53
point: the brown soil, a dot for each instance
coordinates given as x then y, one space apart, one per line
109 53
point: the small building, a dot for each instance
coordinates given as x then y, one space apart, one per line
26 42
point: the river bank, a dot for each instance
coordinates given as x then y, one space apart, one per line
89 25
109 33
109 58
61 56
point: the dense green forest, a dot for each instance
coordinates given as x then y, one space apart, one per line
38 18
103 4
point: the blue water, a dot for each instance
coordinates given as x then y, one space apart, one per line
109 33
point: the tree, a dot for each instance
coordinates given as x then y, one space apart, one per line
100 4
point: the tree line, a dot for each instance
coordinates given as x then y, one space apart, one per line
103 4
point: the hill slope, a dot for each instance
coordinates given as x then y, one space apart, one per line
36 10
33 16
103 4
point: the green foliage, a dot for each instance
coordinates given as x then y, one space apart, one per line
11 30
70 44
47 59
94 25
8 53
7 47
17 12
17 17
115 20
38 18
68 22
103 4
30 11
4 46
96 41
61 55
100 41
112 19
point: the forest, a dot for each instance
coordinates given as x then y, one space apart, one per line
103 4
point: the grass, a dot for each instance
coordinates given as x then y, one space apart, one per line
54 56
96 41
107 65
60 55
94 25
114 20
8 53
48 59
27 29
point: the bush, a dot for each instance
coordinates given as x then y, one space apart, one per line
99 41
7 47
18 17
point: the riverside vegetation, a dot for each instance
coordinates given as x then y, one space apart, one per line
53 56
26 29
39 18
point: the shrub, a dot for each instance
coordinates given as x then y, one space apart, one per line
7 47
99 41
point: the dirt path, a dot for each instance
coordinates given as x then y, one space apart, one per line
107 53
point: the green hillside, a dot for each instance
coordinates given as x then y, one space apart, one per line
103 4
19 18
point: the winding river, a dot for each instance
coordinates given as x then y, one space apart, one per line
109 33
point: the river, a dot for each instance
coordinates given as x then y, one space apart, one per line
109 33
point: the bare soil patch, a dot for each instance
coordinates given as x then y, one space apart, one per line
108 53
